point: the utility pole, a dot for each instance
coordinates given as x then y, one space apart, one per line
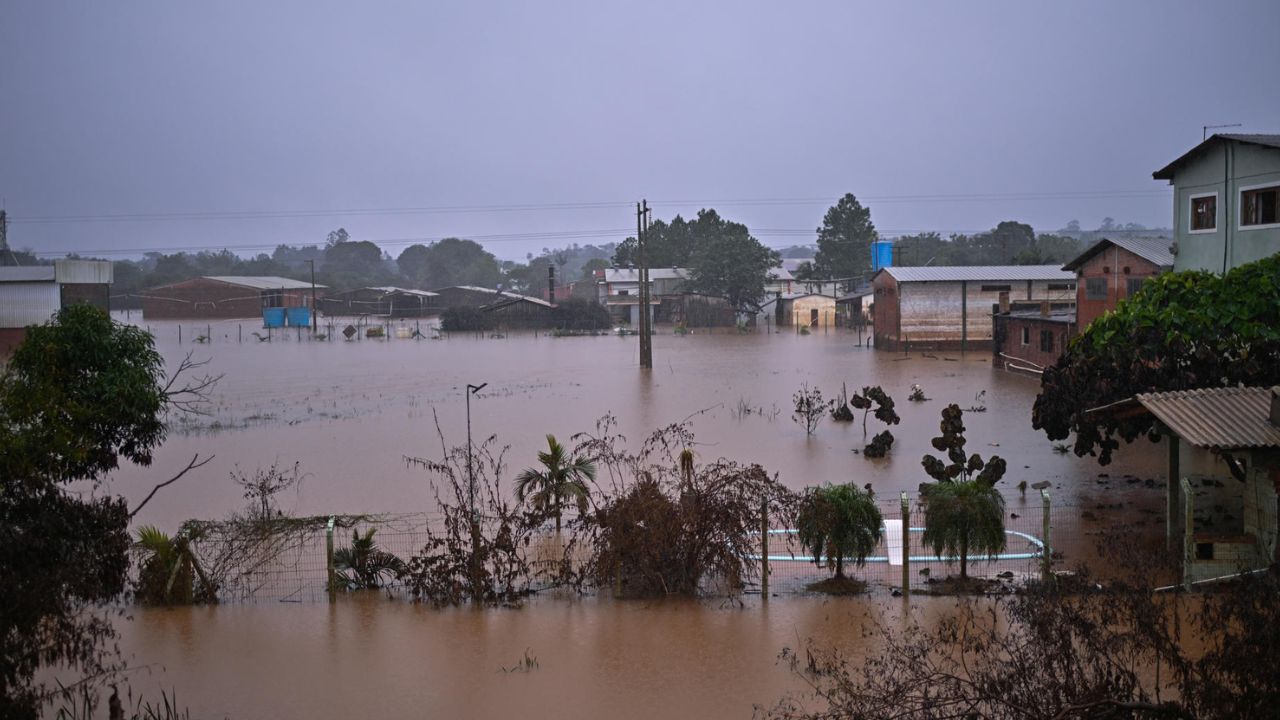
313 296
646 347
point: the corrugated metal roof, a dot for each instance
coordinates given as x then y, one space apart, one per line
27 273
944 273
779 274
1223 418
87 272
503 293
1154 249
262 282
615 275
28 303
404 291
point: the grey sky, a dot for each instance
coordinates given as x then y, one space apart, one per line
163 108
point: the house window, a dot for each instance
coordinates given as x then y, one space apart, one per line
995 288
1046 341
1204 213
1026 336
1133 285
1095 289
1062 286
624 292
1260 206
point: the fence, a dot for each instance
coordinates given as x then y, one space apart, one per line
300 560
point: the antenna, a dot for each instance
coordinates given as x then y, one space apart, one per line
1207 128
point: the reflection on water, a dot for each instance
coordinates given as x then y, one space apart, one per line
352 411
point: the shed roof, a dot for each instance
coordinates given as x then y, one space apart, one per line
500 293
27 273
391 289
1154 249
953 273
1224 418
262 282
1264 140
780 273
614 275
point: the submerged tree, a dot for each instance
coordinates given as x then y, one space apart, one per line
839 522
809 408
363 565
560 479
876 397
963 510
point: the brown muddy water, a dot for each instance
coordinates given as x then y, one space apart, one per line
351 412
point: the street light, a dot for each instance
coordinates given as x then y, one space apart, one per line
471 478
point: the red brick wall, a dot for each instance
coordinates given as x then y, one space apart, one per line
1008 340
885 312
1115 265
204 298
11 338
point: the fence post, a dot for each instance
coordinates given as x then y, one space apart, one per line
906 546
1046 571
1188 533
764 549
328 556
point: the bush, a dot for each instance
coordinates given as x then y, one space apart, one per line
580 314
840 522
466 319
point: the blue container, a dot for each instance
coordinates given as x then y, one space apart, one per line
881 254
298 316
273 317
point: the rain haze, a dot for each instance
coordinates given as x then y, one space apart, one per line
123 121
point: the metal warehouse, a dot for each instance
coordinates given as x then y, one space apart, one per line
226 296
950 308
31 295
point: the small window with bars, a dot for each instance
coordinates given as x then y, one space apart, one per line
1046 341
1095 289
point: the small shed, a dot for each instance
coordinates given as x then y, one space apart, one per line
1224 467
226 297
811 310
511 310
386 301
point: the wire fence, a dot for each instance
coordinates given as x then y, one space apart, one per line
300 560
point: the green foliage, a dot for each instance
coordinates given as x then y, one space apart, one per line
879 445
363 565
844 240
1009 243
449 262
839 522
875 396
349 265
80 393
560 479
465 318
964 513
1184 330
580 314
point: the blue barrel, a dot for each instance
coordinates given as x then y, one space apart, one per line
298 316
273 317
881 254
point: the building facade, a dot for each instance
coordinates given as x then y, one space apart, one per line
226 297
31 295
1226 204
1113 270
950 308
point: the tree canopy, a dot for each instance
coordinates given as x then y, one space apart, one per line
1182 331
844 240
449 262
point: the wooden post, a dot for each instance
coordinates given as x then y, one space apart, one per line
764 549
328 554
1188 533
906 546
1046 571
1171 490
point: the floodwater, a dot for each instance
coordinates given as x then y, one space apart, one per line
350 412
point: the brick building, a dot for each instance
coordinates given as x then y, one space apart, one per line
225 297
1112 270
31 295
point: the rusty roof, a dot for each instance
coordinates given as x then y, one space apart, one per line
1224 418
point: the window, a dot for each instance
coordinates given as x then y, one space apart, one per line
995 288
1133 285
1062 286
1046 341
1260 206
1095 289
624 292
1204 213
1026 336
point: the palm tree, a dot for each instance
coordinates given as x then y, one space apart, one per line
561 477
363 565
839 521
964 516
169 568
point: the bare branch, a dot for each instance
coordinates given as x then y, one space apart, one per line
191 396
195 463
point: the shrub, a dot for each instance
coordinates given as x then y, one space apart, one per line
839 521
580 314
466 319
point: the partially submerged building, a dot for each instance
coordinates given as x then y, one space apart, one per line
30 295
509 309
226 297
386 301
1223 466
950 308
619 291
1226 203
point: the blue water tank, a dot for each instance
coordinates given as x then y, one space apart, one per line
273 317
298 316
881 254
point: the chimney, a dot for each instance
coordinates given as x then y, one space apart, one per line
1275 406
1044 308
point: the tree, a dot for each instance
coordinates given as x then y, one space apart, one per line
352 264
363 565
561 478
809 408
1184 330
450 262
336 237
844 240
839 522
884 412
580 314
729 263
78 395
963 510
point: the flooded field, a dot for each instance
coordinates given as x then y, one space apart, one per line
351 412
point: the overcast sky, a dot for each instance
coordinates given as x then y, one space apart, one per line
245 125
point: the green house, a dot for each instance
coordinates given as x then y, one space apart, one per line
1226 203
